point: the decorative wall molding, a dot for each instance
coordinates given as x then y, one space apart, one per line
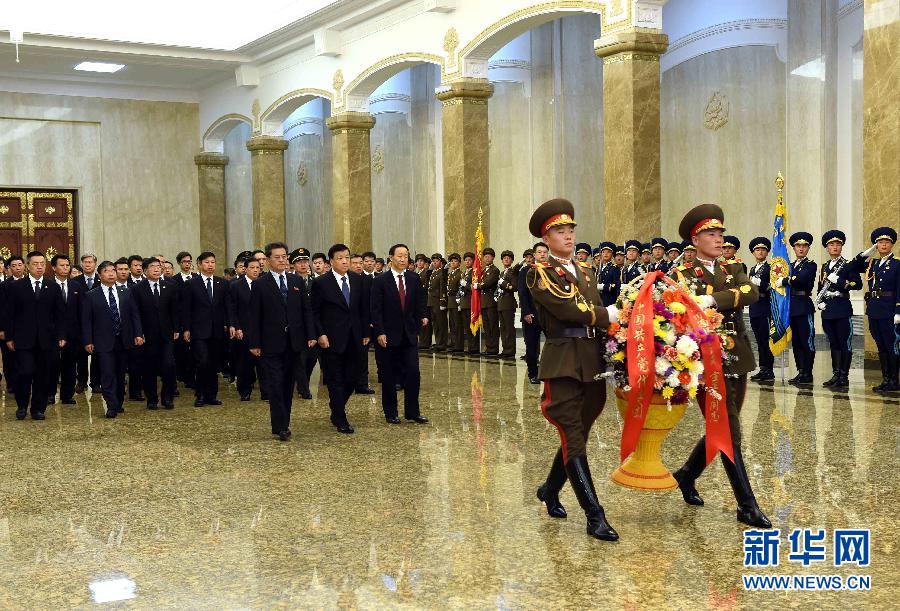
849 8
516 64
390 97
739 33
301 121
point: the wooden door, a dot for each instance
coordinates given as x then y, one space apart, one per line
41 220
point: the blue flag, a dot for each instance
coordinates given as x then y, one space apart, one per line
780 267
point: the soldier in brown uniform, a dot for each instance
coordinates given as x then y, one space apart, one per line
423 271
506 305
456 340
437 302
573 319
727 288
465 304
490 323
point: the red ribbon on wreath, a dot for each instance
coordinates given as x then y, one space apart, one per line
641 355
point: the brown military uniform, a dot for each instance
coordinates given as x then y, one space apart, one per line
572 358
437 305
456 338
465 313
508 284
425 332
490 322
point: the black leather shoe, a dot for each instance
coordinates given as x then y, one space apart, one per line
152 406
796 378
38 416
365 391
688 491
137 398
212 402
198 403
748 511
120 410
284 435
245 397
756 375
67 401
555 509
766 376
306 395
752 516
110 413
418 420
20 414
168 405
346 429
534 380
393 420
398 387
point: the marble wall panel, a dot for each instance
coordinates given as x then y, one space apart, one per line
308 192
238 194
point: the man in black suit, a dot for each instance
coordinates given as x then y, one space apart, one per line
157 303
281 328
399 310
88 280
239 313
136 270
16 266
110 327
184 360
34 329
342 323
206 327
362 378
63 373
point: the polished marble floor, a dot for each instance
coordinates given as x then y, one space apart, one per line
203 509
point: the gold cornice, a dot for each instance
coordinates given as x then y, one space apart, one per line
469 89
637 41
266 145
310 91
229 117
350 122
629 57
211 159
424 58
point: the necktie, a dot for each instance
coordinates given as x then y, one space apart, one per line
156 290
37 289
345 289
62 287
402 290
209 288
283 286
114 309
90 282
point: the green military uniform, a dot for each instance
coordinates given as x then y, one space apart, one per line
729 290
573 319
507 285
490 323
424 332
437 305
465 311
456 341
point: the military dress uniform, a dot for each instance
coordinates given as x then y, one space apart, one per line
437 304
465 309
883 309
455 341
507 285
490 323
632 270
802 280
673 252
660 265
573 319
424 274
729 290
838 277
609 279
735 243
761 313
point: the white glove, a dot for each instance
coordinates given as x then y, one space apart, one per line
897 319
443 308
833 278
475 286
820 306
600 287
779 282
832 294
708 302
868 252
462 283
613 312
756 280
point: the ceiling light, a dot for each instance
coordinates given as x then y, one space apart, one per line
99 67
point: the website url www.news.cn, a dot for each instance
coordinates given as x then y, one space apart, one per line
807 582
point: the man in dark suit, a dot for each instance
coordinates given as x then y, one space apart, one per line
34 329
398 305
110 326
281 327
86 374
184 360
16 265
205 327
135 270
239 313
362 378
63 372
157 303
342 323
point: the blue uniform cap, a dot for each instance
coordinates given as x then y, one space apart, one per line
760 241
731 240
835 235
884 233
801 237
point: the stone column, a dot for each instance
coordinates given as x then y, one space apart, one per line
267 170
631 181
351 186
211 180
465 160
881 122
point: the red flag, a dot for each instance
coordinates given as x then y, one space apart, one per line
475 320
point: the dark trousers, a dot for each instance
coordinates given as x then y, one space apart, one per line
884 332
508 331
33 369
207 354
572 407
135 362
469 342
399 365
112 366
839 332
302 369
803 332
63 373
339 365
531 333
490 325
425 336
245 365
87 371
184 362
158 361
362 378
439 324
454 337
278 377
9 366
760 326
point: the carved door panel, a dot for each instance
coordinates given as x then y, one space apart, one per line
37 220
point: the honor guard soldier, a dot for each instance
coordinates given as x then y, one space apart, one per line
646 258
761 311
658 262
455 341
619 259
688 251
582 252
490 324
596 257
573 319
729 250
609 281
838 277
465 304
883 304
632 268
437 302
727 288
673 252
424 272
531 327
802 279
507 285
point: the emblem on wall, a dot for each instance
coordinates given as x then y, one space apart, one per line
717 111
378 160
302 175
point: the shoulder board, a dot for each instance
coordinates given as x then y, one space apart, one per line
541 264
585 264
684 266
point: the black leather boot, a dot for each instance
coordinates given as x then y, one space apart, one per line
883 360
893 384
846 358
690 471
766 375
548 492
835 368
583 486
748 511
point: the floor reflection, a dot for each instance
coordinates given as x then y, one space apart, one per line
201 508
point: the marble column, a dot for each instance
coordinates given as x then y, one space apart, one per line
881 121
465 160
211 180
267 169
351 186
631 180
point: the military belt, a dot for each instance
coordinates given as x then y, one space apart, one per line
585 332
877 294
799 294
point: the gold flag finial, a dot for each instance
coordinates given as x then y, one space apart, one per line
779 182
